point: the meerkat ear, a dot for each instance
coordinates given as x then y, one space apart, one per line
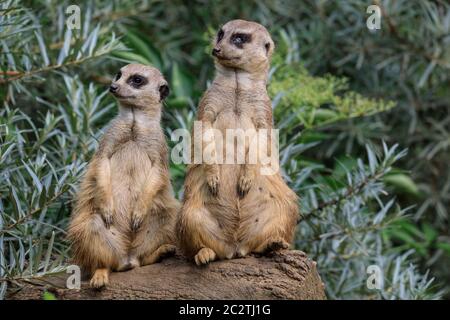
164 91
267 46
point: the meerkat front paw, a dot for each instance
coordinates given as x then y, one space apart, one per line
276 245
271 245
213 184
136 220
204 256
167 250
244 185
100 278
107 215
162 252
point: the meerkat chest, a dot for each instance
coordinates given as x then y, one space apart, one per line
139 131
131 153
236 109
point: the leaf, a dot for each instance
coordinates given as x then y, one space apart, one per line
49 251
33 175
43 197
323 115
48 296
429 232
42 48
15 202
372 159
444 246
5 153
64 52
93 40
144 49
130 57
403 183
426 73
181 84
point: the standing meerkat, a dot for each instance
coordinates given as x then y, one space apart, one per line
231 210
125 211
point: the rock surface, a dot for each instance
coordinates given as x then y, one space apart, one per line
283 275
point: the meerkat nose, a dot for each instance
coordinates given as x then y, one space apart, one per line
113 88
215 51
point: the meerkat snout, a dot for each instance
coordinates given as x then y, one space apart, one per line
139 85
113 88
243 44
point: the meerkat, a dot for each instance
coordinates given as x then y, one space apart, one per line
231 210
125 211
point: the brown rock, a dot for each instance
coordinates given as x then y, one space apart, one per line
283 275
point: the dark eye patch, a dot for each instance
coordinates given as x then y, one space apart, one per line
267 46
118 76
238 39
220 35
137 81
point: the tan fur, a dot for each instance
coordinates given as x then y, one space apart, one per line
231 210
125 210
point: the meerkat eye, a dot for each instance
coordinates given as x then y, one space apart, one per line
238 39
267 46
118 76
220 35
137 81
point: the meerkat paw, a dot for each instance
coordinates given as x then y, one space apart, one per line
100 278
136 220
167 250
204 256
272 245
213 184
244 185
162 252
107 217
128 263
277 245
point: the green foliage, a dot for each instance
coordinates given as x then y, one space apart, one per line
406 61
316 101
340 214
48 296
329 96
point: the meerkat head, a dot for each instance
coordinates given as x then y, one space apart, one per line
139 85
244 45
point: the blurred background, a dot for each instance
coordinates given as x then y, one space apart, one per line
363 116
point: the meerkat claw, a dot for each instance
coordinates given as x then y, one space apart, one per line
244 186
100 279
204 256
276 246
136 222
107 218
167 251
213 185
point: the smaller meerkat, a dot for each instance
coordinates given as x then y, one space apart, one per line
125 211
